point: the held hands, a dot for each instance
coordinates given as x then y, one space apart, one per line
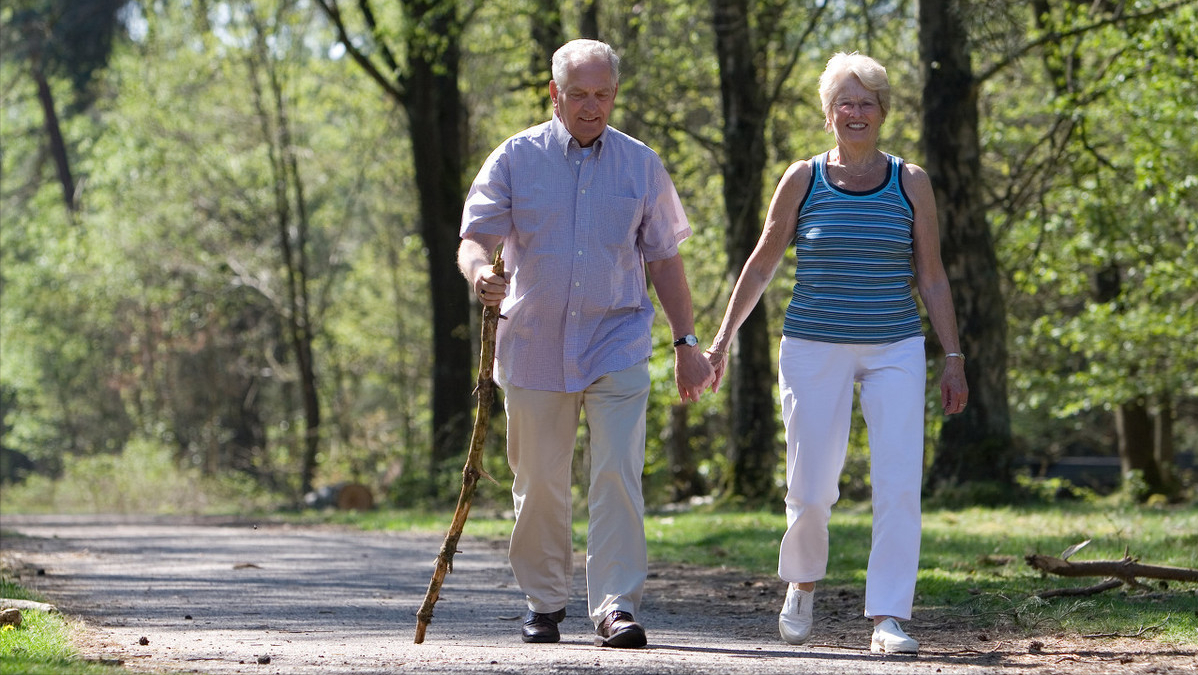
719 364
692 372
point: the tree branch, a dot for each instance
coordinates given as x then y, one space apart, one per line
812 23
1056 36
393 88
1075 592
1126 569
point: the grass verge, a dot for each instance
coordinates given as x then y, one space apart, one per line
41 645
972 564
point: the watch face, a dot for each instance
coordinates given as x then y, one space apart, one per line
690 340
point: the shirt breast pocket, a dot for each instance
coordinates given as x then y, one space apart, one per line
617 235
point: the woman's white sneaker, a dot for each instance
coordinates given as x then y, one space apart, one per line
794 622
889 638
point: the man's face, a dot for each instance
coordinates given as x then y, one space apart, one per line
586 101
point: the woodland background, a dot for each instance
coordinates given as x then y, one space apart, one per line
227 229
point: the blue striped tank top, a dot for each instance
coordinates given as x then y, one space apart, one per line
853 275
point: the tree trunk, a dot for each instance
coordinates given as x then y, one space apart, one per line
436 123
589 22
547 33
1162 435
752 447
976 444
293 243
58 146
428 91
1136 447
685 481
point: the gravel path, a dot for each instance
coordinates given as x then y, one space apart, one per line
212 596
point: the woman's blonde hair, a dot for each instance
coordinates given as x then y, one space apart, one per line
841 66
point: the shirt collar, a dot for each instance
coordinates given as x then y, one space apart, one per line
564 139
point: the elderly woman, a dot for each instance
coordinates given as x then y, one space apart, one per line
863 224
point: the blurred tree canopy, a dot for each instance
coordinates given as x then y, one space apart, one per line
254 266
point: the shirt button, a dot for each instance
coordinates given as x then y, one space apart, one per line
580 253
584 191
573 313
577 284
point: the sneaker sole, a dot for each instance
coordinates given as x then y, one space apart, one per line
792 638
877 648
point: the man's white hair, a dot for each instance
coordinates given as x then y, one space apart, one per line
581 51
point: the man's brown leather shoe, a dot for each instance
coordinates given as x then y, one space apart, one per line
619 629
540 627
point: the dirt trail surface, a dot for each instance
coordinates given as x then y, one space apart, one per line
212 596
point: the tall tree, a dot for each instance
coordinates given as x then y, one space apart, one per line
419 71
745 33
293 225
976 444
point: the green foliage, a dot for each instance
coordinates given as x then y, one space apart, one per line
1053 490
1098 222
155 316
143 478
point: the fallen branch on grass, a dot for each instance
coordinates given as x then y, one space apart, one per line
1127 569
1119 573
27 604
1143 630
1074 592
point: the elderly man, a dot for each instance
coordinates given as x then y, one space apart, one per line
581 210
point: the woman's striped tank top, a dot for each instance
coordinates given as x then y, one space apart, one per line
853 276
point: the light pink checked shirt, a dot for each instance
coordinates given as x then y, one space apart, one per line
577 230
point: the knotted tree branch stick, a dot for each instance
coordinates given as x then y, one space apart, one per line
473 469
1126 569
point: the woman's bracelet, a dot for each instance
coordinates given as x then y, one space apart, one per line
717 352
956 354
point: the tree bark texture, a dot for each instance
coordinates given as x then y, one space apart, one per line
976 444
1137 451
752 447
436 127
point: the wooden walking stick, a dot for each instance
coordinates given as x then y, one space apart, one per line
473 469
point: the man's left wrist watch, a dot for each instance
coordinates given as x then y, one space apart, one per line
688 340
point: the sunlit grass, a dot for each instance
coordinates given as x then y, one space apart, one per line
972 564
41 645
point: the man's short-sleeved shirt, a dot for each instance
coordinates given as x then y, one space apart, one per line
577 227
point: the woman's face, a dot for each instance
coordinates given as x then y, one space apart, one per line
856 115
